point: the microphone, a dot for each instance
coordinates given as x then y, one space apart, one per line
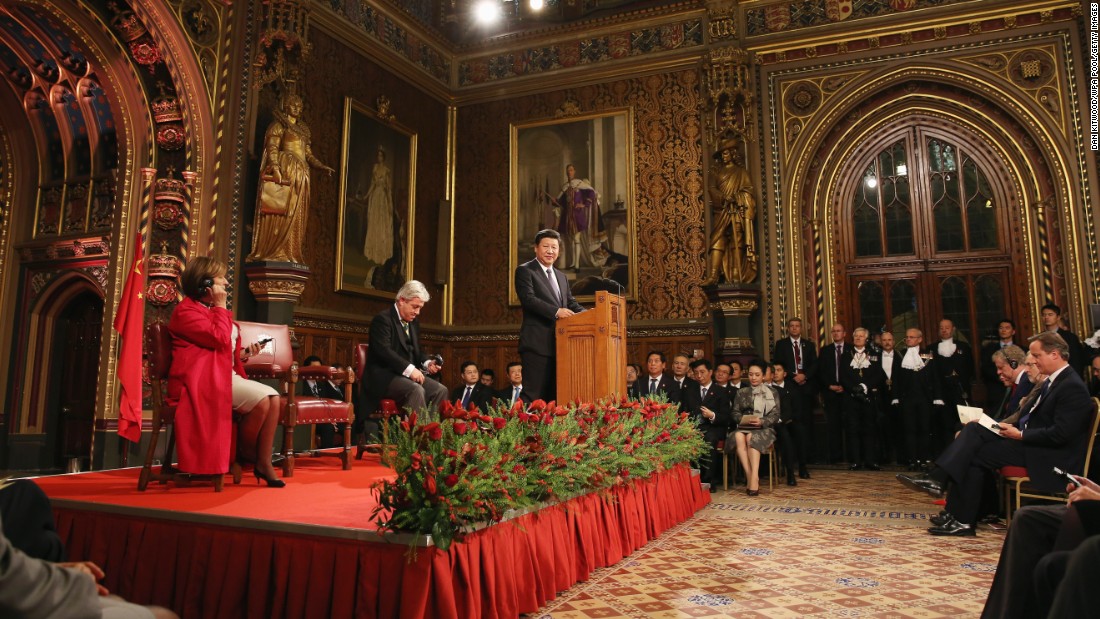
606 281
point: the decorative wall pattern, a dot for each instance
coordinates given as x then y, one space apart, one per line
788 16
434 60
581 52
667 161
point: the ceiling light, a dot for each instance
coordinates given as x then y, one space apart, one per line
535 5
487 11
872 182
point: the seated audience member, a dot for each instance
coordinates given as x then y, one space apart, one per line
514 391
633 371
722 372
994 389
1052 432
326 432
1037 550
1094 375
862 377
1010 362
737 377
786 431
1051 316
753 435
657 383
207 381
471 391
396 367
708 405
33 588
681 371
28 520
488 377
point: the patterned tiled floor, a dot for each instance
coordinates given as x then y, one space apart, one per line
843 544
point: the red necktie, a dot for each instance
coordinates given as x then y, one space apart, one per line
798 355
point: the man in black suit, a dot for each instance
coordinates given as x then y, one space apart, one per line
799 357
832 393
681 371
657 382
1015 374
544 293
515 389
396 367
721 377
471 391
862 377
994 388
917 392
326 432
891 442
786 431
1051 316
709 406
1053 432
955 362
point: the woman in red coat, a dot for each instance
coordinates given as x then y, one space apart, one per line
207 381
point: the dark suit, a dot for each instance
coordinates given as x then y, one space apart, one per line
537 343
666 386
713 430
504 396
891 440
1078 360
390 352
1014 396
786 431
956 374
994 388
479 396
861 387
326 432
916 390
803 395
1055 434
827 373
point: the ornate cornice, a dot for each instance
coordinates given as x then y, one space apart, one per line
66 250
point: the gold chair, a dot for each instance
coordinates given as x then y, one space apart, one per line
1014 478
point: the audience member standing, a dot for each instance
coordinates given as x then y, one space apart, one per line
891 439
1051 316
862 377
917 390
832 393
799 357
955 363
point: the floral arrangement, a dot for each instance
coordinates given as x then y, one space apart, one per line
471 467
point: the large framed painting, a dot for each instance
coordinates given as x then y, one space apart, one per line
377 203
576 175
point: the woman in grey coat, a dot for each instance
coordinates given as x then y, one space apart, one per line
754 435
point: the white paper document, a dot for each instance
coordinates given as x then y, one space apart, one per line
973 413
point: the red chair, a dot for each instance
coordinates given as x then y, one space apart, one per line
380 412
158 342
276 361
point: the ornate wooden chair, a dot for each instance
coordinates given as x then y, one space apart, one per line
158 346
1014 478
380 410
275 361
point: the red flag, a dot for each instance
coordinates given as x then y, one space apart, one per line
129 322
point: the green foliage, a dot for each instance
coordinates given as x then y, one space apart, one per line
472 467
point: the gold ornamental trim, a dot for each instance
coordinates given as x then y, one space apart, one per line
735 305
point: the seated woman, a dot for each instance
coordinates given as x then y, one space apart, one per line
207 381
754 435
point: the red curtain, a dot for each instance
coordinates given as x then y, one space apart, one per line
514 567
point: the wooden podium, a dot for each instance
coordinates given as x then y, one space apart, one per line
591 351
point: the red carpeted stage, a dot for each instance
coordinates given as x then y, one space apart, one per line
310 550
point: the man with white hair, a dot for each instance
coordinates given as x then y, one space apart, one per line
396 367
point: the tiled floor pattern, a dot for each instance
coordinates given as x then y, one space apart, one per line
843 544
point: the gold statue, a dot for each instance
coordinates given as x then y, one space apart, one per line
284 186
733 239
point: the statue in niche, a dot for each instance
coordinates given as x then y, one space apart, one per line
284 186
732 255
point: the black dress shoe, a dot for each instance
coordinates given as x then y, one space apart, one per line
953 528
922 484
856 467
713 488
803 473
939 519
872 467
791 481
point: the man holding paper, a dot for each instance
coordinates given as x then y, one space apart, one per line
1053 431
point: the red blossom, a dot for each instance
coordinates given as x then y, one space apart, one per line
445 409
538 405
429 485
451 480
499 423
460 427
433 430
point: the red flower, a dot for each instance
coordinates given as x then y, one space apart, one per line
433 431
445 409
460 427
429 486
538 405
499 423
451 480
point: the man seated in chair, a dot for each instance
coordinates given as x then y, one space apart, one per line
396 367
326 432
1052 432
472 391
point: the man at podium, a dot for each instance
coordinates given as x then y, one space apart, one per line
544 293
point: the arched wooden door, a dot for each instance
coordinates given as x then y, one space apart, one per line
925 233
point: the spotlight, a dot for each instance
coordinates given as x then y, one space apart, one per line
872 182
487 11
535 5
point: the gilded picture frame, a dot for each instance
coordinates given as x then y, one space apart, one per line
377 203
593 209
